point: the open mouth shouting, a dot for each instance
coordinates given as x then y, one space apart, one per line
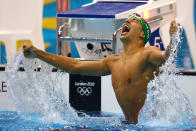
125 30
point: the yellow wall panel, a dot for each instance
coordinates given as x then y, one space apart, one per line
48 1
49 23
19 43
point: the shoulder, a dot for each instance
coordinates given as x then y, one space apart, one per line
155 55
151 49
111 58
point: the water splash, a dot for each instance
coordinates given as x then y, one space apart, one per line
37 91
166 105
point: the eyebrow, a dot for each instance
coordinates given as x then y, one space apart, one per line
138 21
135 19
127 21
132 19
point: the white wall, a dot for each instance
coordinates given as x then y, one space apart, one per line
188 86
5 101
108 99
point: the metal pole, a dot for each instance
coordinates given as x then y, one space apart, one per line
155 20
65 45
61 48
114 40
58 43
72 39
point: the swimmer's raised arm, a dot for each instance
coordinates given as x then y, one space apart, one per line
70 65
173 29
158 57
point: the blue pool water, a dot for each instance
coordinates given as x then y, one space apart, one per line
13 121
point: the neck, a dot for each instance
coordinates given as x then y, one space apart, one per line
132 47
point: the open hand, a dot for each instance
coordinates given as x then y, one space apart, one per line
173 27
29 51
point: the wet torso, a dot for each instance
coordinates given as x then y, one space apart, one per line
130 77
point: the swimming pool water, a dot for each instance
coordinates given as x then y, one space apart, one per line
13 121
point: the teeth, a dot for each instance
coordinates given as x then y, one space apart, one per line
125 28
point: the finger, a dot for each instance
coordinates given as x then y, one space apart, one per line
173 29
27 53
23 47
173 22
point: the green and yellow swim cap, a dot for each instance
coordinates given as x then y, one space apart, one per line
145 26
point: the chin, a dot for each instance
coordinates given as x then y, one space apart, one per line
123 38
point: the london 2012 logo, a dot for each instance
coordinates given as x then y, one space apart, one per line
84 91
84 88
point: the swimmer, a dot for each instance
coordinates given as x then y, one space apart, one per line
131 71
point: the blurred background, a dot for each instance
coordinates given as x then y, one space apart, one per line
48 27
49 24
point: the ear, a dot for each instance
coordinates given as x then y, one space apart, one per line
142 36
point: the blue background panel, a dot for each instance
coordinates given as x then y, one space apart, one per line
100 10
184 58
3 59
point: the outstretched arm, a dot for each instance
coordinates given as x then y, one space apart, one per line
159 57
70 65
172 31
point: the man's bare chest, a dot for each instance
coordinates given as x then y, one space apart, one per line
126 72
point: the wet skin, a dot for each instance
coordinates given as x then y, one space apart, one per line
129 79
131 71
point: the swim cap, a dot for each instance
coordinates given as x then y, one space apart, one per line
145 26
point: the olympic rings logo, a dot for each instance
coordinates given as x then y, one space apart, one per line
84 91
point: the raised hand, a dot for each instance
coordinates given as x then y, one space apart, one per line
29 51
173 27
